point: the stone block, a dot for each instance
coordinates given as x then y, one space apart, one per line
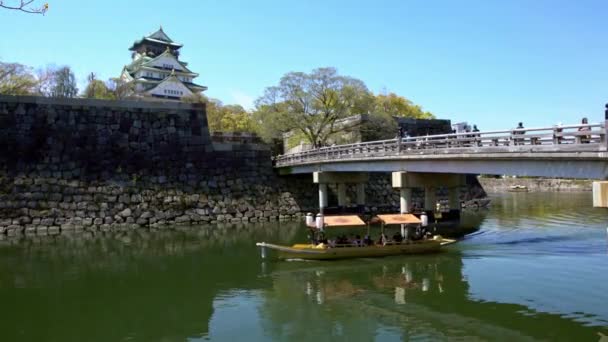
126 213
67 227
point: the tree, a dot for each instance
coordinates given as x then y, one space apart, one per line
223 118
120 89
16 79
45 79
396 105
64 83
97 89
311 104
24 6
234 118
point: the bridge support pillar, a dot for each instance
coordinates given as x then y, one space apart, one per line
600 194
401 181
454 197
405 200
361 194
430 198
322 196
340 179
341 194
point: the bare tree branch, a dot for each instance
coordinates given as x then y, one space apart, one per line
25 6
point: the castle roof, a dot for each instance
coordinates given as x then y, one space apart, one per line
158 37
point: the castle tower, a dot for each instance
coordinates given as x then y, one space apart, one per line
156 70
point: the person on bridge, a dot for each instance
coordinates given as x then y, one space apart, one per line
585 139
476 135
519 130
558 131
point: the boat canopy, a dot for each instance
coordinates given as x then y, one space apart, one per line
342 221
399 219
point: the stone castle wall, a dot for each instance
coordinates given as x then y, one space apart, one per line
99 165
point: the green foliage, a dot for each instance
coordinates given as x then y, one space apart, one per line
97 89
64 83
396 105
17 79
295 139
223 118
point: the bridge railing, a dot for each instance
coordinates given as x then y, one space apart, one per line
571 137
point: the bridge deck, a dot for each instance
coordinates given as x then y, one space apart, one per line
576 151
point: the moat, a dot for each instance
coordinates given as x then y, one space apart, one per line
535 270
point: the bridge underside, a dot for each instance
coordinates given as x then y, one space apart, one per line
583 168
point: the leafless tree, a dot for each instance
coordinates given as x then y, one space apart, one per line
24 6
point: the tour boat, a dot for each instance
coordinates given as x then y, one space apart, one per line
328 251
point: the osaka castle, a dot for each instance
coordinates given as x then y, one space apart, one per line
156 70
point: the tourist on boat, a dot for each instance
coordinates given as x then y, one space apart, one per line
357 242
397 237
312 236
585 139
368 241
322 238
382 240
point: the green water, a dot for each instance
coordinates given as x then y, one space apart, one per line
536 270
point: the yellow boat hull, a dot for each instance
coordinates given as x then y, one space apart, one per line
311 252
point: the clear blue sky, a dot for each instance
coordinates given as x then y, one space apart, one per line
492 63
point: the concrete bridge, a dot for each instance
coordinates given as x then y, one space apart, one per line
573 151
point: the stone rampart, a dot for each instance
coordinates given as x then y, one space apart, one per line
536 184
74 164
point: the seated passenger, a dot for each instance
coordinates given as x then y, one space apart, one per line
312 236
382 240
322 238
368 240
357 241
397 237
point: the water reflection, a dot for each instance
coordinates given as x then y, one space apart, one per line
416 297
134 285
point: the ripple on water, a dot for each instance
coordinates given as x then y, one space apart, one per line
546 253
